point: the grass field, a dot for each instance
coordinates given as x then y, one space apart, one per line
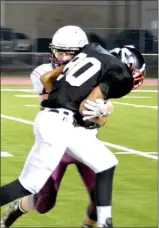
135 187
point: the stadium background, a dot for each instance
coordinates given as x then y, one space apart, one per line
40 19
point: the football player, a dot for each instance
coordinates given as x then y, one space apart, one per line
46 198
93 67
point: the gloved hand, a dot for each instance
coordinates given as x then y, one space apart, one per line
97 108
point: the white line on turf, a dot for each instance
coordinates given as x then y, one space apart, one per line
135 105
132 151
5 154
122 152
126 97
138 97
125 152
145 91
17 119
26 96
31 90
31 105
18 90
121 148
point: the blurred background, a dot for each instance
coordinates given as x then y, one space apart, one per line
27 28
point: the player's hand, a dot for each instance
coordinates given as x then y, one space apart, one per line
96 108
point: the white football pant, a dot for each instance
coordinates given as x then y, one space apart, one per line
55 134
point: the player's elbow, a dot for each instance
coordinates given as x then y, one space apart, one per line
118 84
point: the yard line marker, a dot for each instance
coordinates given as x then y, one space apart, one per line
136 97
135 105
31 105
26 96
121 148
153 153
31 90
122 152
17 119
5 154
145 91
18 90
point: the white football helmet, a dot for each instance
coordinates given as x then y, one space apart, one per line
69 38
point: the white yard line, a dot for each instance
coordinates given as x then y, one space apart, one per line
137 97
153 153
5 154
26 95
31 105
121 148
18 90
145 91
31 90
17 119
126 152
122 152
135 105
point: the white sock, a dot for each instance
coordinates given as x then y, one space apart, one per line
103 212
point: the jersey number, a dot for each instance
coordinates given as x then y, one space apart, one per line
80 69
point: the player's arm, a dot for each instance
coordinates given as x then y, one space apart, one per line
36 82
95 94
48 78
117 81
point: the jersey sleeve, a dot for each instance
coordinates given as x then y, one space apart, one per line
117 81
37 85
36 75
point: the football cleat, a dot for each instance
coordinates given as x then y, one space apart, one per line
108 223
11 215
86 226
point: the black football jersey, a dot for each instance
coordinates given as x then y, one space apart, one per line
93 66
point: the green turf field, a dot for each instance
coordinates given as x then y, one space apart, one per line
135 186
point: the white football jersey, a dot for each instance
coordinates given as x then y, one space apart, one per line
36 75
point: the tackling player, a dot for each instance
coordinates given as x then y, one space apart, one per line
46 198
110 87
